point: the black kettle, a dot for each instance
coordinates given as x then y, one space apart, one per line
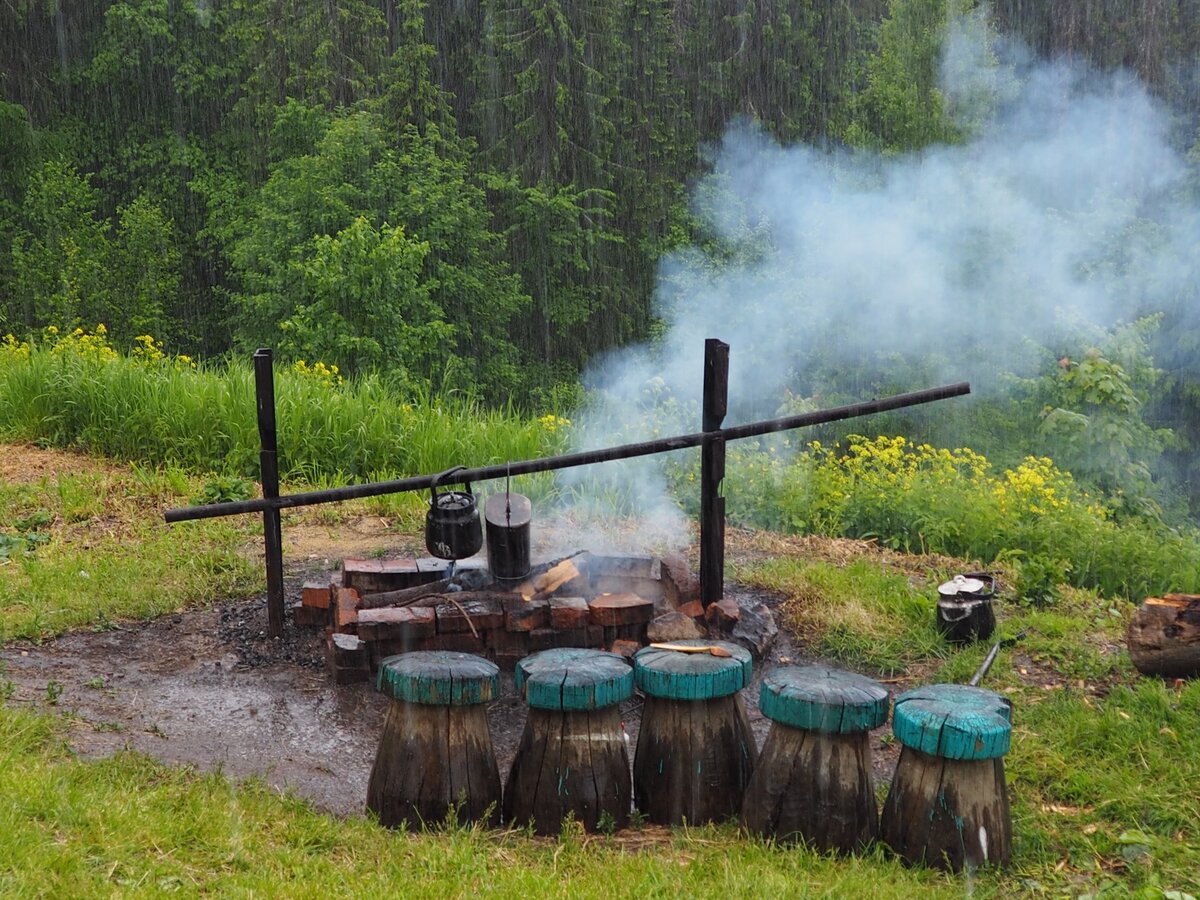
452 526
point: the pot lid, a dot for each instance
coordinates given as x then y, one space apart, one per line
960 584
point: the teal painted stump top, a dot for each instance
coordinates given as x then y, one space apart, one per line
676 675
573 678
818 698
439 678
954 721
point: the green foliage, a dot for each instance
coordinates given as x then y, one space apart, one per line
161 410
374 254
901 108
1093 415
1033 517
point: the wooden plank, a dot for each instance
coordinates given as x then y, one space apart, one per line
821 698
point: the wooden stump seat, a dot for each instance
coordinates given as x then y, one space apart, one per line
572 757
814 779
436 751
948 804
695 750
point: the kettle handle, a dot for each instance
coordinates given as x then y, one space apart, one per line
442 476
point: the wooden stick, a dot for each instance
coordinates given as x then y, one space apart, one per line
690 648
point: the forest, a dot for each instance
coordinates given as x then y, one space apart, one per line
480 195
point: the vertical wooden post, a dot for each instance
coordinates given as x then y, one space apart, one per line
268 457
712 472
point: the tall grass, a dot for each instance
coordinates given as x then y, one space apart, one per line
168 412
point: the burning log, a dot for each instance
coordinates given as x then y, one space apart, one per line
545 584
1164 636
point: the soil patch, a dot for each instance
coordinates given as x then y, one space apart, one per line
25 463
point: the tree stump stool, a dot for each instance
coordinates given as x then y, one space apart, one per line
436 751
572 757
695 750
814 780
948 804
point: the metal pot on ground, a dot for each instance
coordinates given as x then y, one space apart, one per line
964 607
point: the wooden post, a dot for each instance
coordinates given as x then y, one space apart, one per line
712 472
268 457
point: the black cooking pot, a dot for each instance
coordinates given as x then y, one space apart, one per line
964 609
452 527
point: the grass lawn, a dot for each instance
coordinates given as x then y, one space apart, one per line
1103 773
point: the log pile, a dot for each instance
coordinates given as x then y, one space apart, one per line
1164 636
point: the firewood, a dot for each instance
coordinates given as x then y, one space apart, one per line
545 584
1164 636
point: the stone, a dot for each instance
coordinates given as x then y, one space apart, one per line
756 630
673 626
627 649
680 584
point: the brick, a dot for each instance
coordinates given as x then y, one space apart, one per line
680 583
345 614
317 595
568 612
462 642
693 609
623 633
500 640
550 638
620 609
525 615
347 659
381 650
374 576
484 615
625 648
403 623
595 636
309 616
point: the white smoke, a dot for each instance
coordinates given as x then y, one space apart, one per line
961 254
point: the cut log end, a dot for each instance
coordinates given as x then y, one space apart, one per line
1164 636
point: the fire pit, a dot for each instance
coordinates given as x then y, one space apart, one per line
376 608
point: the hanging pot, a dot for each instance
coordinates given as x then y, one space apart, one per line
507 517
452 527
964 608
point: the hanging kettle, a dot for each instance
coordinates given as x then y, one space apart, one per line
452 526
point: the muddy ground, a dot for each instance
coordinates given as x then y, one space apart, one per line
208 688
